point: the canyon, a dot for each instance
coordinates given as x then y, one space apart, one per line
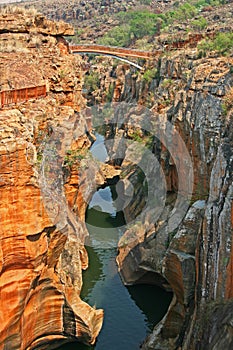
179 108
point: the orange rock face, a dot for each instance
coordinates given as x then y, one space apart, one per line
39 303
41 254
26 21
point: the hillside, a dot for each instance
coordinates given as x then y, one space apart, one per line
138 22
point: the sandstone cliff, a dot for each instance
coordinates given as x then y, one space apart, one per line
40 276
195 259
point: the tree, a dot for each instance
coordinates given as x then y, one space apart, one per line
117 36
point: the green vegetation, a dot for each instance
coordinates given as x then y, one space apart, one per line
142 44
188 10
224 109
141 23
92 81
137 135
150 74
201 193
142 137
117 36
222 43
42 139
167 102
184 12
39 157
62 73
226 261
200 23
166 83
109 94
134 25
75 156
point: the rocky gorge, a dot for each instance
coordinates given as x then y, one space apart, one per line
190 93
42 251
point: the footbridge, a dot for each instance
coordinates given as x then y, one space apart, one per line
120 53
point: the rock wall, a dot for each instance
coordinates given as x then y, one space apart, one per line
42 252
195 259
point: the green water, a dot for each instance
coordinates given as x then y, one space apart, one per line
130 313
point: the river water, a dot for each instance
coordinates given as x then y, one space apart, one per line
130 313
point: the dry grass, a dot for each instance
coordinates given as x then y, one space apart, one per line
17 10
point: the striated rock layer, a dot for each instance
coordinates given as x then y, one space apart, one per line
194 259
42 252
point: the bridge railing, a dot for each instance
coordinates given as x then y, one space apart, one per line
111 50
9 97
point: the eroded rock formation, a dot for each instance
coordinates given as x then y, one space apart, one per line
42 253
195 258
32 22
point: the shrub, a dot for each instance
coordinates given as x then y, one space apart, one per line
117 36
166 83
143 44
75 156
224 109
150 74
133 25
143 23
222 43
199 23
137 24
109 94
136 135
91 82
184 12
